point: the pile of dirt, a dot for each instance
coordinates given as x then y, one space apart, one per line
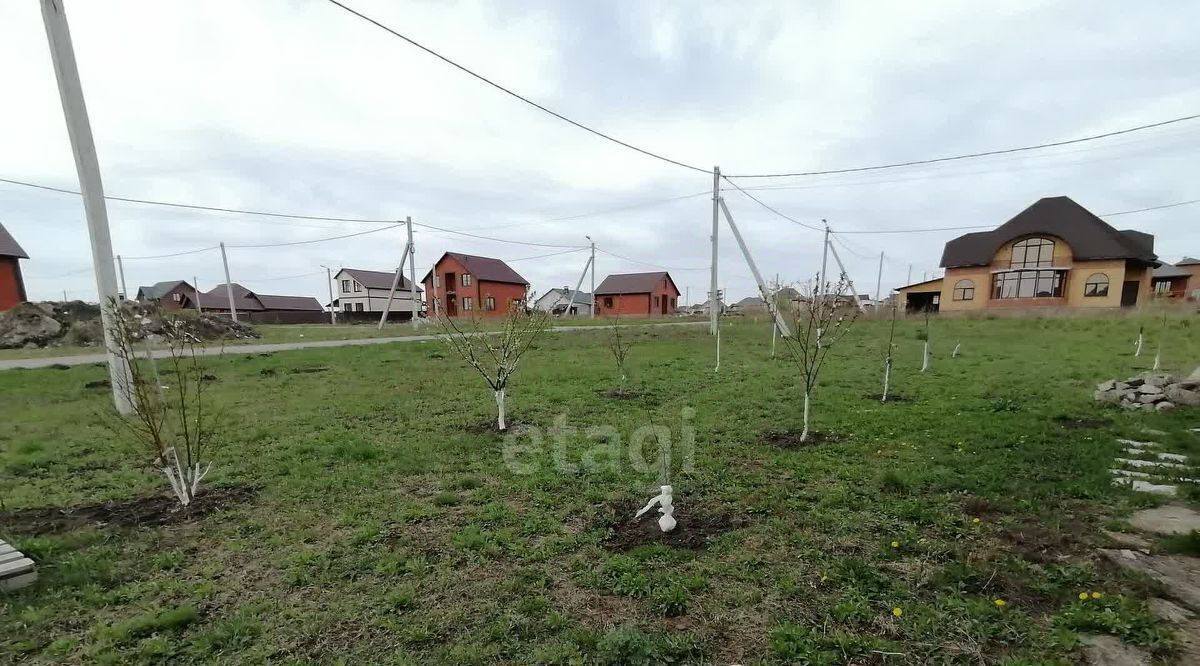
790 439
696 526
35 325
146 511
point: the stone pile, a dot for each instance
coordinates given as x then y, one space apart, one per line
34 325
1151 391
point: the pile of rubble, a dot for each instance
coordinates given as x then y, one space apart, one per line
34 325
1151 391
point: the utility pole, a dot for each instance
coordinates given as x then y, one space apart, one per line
70 91
228 283
592 315
387 306
824 261
849 282
879 280
713 301
758 279
412 272
329 283
196 289
909 279
64 295
121 269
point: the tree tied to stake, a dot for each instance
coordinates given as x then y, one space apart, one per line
495 355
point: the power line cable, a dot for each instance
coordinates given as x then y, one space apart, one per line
646 263
316 240
1143 210
773 210
552 254
496 240
173 254
953 158
515 94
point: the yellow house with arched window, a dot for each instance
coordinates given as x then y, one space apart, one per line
1055 253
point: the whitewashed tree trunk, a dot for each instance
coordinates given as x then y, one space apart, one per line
925 357
887 378
1157 359
954 354
1137 347
500 409
184 481
804 433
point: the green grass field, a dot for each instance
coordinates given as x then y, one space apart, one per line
368 515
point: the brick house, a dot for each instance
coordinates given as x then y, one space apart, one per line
1181 280
170 295
258 308
466 285
12 285
1055 253
637 294
363 294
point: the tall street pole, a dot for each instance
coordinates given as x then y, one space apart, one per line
228 283
713 302
70 91
329 283
592 315
121 269
412 272
879 280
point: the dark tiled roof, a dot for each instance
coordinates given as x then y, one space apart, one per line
290 302
633 283
158 289
1089 236
218 298
1187 261
482 268
1169 271
9 246
376 279
581 297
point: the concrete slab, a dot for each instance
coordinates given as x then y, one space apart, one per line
1168 519
1179 575
1136 444
1110 651
1151 488
1133 462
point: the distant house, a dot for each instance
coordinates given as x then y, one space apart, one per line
556 302
638 294
366 292
1181 280
262 308
12 285
169 295
749 304
1055 253
466 285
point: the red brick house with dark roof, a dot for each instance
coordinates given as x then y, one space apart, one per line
644 294
12 286
468 285
263 308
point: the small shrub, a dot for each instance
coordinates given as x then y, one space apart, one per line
894 482
671 600
445 499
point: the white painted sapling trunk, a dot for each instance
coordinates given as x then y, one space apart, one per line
1137 346
500 410
185 481
887 378
666 506
954 354
804 432
925 357
1157 359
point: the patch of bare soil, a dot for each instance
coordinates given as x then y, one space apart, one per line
695 527
146 511
1042 540
892 397
790 439
487 426
1080 423
621 393
309 370
99 383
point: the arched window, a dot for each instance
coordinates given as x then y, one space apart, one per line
1096 285
964 290
1033 253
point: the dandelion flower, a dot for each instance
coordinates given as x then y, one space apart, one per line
976 521
1083 595
1097 595
895 544
897 612
1000 603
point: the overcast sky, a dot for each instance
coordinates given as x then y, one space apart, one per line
297 106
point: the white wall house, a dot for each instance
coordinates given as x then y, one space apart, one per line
557 300
362 291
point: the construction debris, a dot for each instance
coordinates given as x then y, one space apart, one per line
1150 391
35 325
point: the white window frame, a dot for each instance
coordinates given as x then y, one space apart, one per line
177 297
437 281
345 286
466 303
357 287
466 279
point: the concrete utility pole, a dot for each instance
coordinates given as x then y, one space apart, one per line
228 283
762 287
571 302
412 272
329 283
879 280
592 314
387 306
713 301
824 262
70 91
849 282
196 289
908 280
121 269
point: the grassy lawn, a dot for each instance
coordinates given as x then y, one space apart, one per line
275 333
368 515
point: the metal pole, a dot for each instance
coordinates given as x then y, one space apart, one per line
849 282
228 283
713 314
329 283
592 315
121 269
387 306
762 287
70 91
879 280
